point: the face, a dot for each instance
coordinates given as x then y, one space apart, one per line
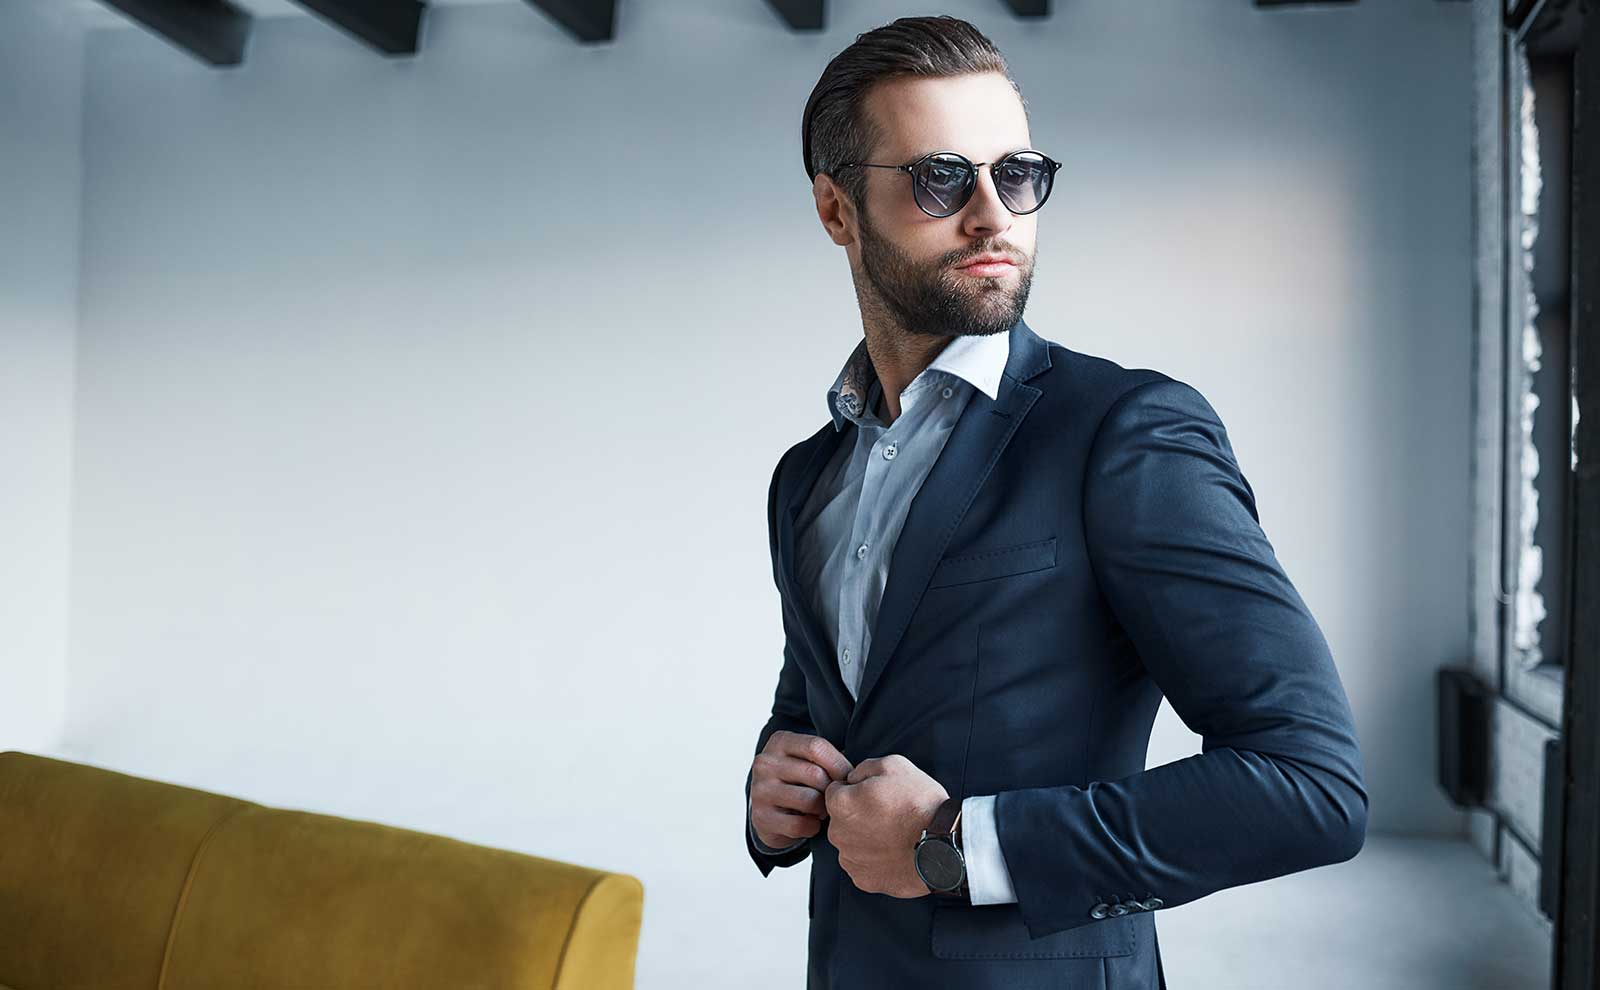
905 262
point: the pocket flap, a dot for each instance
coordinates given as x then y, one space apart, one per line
1019 558
996 931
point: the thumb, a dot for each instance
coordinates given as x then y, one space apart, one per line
861 771
832 793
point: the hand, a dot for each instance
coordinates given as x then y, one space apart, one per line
787 781
879 812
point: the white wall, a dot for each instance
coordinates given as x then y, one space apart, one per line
419 479
41 95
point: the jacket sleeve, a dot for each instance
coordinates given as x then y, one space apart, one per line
1180 557
789 708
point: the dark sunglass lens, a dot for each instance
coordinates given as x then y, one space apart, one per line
943 184
1024 181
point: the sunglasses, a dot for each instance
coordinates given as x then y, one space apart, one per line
943 181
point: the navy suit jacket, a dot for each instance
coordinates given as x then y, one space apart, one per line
1085 544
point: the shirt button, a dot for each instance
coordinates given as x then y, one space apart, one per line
948 392
861 551
889 452
847 654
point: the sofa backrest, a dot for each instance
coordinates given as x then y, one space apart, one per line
116 882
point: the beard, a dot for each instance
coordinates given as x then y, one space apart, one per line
932 299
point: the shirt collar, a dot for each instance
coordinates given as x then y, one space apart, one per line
977 359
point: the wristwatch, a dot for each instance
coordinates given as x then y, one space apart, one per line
938 854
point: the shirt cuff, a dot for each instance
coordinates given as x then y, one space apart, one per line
988 879
762 846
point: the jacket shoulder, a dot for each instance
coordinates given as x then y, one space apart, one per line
1091 384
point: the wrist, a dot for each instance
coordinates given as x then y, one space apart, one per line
938 858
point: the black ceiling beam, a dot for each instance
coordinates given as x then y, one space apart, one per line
1029 8
800 15
214 31
1547 27
588 20
389 26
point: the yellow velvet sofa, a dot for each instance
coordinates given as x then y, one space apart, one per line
115 882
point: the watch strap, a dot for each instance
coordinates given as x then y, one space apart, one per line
946 818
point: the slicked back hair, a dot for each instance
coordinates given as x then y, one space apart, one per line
836 128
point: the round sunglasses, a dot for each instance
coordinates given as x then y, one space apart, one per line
943 181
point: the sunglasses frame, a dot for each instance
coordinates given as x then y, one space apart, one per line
910 168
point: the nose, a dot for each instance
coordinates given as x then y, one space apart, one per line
985 214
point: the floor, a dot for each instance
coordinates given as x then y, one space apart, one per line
1413 913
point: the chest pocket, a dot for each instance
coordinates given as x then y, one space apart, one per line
982 565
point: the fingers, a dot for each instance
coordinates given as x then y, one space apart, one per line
866 768
778 828
814 748
775 818
798 800
792 775
789 770
789 786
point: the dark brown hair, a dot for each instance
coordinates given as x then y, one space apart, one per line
836 129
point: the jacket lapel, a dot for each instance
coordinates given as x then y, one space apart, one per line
818 647
969 454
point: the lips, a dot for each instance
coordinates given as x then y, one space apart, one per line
986 269
987 260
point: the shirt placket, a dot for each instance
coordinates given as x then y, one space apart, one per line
865 549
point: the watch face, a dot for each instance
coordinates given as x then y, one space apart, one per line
939 865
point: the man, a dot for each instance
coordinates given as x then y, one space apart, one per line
994 560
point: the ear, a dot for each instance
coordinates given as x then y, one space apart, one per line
834 209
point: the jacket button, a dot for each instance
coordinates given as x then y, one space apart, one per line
1133 905
1118 910
1098 911
1151 903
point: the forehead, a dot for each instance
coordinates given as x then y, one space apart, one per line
978 115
